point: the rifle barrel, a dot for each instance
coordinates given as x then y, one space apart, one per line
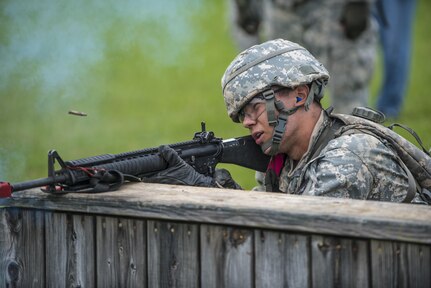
41 182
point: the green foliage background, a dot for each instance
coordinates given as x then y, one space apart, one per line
145 73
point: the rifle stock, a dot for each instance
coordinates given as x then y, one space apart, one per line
203 153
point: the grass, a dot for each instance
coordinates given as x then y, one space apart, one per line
142 83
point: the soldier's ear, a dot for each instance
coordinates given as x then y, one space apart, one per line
302 94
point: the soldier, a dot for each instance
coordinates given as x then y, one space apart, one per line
274 89
341 34
396 20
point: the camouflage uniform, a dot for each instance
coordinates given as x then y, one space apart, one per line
358 166
315 24
245 38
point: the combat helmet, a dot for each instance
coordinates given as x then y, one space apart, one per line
272 64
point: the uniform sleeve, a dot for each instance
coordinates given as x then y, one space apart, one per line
356 166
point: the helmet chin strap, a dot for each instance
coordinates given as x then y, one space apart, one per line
279 123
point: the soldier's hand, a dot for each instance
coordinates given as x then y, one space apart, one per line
181 173
223 179
178 171
355 18
249 15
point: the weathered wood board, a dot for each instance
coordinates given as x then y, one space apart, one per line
147 235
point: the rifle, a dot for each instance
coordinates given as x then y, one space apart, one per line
107 172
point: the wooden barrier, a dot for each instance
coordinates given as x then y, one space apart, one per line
147 235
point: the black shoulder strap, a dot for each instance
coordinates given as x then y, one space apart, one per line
327 135
413 186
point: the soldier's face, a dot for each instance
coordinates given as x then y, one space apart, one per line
254 117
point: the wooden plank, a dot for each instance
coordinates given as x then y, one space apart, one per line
5 249
226 257
121 252
397 264
418 265
339 262
173 254
70 254
282 259
319 215
22 248
8 275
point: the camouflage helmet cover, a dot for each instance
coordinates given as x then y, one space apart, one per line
273 63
